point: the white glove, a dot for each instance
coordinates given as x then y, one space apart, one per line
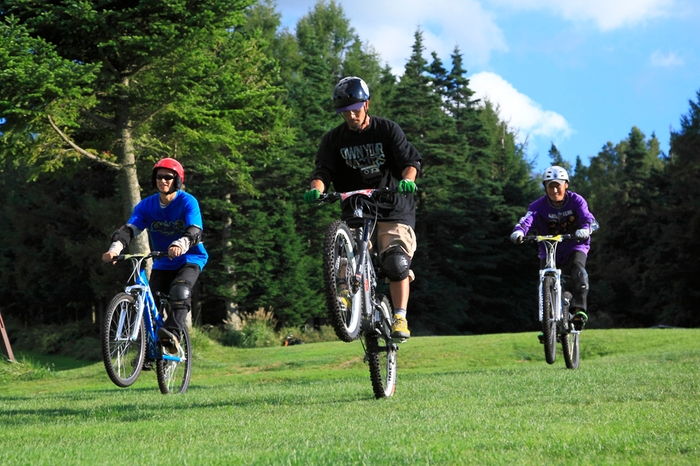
582 234
517 236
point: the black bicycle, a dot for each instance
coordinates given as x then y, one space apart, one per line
350 276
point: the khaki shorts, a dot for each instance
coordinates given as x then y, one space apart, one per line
389 235
395 234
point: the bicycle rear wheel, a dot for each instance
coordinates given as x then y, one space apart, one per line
174 376
381 356
549 325
344 310
123 356
571 349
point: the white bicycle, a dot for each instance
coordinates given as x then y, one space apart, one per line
554 314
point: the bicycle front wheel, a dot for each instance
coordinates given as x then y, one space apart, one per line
123 340
571 349
549 325
381 356
174 376
344 309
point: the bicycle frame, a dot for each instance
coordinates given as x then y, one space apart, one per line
148 313
365 276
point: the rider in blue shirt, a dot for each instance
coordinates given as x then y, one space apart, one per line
174 222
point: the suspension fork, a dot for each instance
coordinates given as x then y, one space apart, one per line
556 274
362 270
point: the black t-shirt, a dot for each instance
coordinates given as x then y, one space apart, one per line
373 158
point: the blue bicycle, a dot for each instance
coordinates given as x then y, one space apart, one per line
129 334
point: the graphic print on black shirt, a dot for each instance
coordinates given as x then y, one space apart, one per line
562 223
367 158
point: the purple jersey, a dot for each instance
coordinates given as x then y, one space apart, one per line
545 219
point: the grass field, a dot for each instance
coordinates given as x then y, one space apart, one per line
490 399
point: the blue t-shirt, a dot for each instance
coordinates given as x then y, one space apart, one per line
167 224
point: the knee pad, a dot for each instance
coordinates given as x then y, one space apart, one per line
580 276
396 264
180 294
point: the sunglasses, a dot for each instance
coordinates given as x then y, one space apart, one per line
165 177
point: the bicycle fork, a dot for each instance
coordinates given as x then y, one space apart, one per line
556 274
364 277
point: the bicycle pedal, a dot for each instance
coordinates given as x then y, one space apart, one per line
399 340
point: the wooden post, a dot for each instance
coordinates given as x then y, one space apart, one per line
6 348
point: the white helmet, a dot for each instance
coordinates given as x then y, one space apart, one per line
554 173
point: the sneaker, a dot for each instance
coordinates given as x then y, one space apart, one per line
399 329
168 340
579 320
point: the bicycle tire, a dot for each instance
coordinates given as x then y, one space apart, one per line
123 358
173 376
570 344
344 312
381 356
549 325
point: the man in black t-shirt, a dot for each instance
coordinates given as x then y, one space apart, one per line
373 152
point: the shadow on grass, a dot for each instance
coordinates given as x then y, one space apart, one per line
56 363
148 404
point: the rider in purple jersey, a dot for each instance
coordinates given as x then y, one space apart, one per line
561 212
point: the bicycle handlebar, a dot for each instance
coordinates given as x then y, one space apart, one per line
156 254
336 196
554 238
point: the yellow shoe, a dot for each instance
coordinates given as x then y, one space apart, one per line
400 328
344 299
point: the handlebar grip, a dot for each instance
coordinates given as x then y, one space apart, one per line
329 197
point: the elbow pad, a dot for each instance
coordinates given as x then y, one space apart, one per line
194 234
124 234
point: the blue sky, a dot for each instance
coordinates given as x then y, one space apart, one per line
576 73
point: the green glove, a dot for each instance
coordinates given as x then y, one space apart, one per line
312 195
407 186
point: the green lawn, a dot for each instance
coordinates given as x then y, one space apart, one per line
487 399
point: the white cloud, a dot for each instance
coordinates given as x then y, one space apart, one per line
389 26
606 14
519 110
665 60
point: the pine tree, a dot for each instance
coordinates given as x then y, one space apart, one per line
682 226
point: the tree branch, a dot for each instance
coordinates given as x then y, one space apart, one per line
99 119
80 150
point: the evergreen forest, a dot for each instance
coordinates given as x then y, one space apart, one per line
94 93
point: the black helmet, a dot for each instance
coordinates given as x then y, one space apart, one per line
350 94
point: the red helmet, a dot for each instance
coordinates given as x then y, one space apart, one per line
170 164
